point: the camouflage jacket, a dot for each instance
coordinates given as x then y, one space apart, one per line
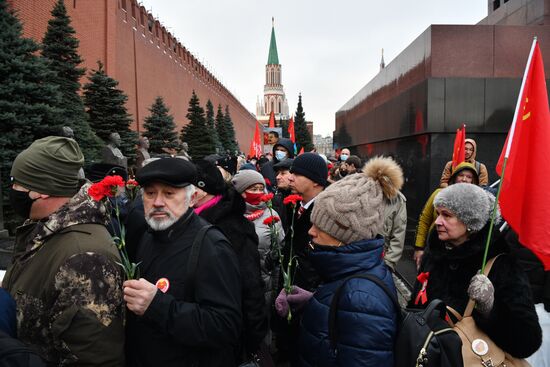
68 287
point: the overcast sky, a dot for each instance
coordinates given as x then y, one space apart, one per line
328 49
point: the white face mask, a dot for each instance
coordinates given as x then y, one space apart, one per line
280 155
343 157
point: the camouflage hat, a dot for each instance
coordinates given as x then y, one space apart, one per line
49 166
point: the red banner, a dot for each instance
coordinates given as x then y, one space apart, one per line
458 149
524 198
256 143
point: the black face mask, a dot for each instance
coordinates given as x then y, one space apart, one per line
21 202
343 173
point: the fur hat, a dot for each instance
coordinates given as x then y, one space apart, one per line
471 204
209 177
352 209
246 178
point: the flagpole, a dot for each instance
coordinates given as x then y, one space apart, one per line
507 153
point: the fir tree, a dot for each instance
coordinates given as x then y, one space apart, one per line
160 128
200 144
59 48
106 111
303 139
221 130
27 99
211 123
232 145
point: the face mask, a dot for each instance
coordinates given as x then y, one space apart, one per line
343 157
280 155
343 173
21 202
253 198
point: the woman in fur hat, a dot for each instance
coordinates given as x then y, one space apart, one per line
504 307
463 172
346 221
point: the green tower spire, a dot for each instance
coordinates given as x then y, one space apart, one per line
273 58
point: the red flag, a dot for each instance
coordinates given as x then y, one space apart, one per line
524 199
291 132
301 151
271 119
458 150
256 143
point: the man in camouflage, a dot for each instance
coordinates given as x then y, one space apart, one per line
64 275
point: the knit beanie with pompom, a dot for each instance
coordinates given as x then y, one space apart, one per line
352 209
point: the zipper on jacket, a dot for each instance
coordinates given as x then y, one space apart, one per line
422 358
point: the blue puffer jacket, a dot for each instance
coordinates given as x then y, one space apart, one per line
366 316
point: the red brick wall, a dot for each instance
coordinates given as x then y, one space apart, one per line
144 64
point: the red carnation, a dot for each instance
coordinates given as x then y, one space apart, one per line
98 191
271 220
113 181
132 183
267 197
292 199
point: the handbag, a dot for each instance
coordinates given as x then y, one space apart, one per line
478 350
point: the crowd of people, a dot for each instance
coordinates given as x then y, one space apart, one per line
239 260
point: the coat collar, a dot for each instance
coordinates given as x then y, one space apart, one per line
334 263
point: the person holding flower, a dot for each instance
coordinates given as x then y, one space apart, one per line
251 186
345 241
223 207
186 310
65 276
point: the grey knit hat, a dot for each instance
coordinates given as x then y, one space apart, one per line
246 178
471 204
352 209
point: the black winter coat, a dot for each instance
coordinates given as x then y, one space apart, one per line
533 267
200 333
228 215
512 323
306 276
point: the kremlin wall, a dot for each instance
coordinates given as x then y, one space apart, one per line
142 55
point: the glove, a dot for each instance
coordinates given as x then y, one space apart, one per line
298 297
482 291
281 304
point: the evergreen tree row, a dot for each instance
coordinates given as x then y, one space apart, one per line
205 134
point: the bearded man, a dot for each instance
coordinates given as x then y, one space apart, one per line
186 308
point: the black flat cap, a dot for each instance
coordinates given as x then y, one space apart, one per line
175 172
284 164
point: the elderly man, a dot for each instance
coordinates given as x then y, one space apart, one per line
186 310
64 276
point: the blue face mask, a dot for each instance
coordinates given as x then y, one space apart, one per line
280 155
343 157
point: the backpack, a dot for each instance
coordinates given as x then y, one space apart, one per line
14 353
424 338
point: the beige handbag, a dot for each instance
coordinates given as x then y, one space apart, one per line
478 350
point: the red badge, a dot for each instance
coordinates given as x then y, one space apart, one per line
163 284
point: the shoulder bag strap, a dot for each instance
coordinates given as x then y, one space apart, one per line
471 303
193 263
333 311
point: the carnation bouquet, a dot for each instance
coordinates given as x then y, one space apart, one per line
105 190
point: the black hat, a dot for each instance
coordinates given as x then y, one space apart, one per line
97 171
312 166
209 177
283 165
175 172
228 163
